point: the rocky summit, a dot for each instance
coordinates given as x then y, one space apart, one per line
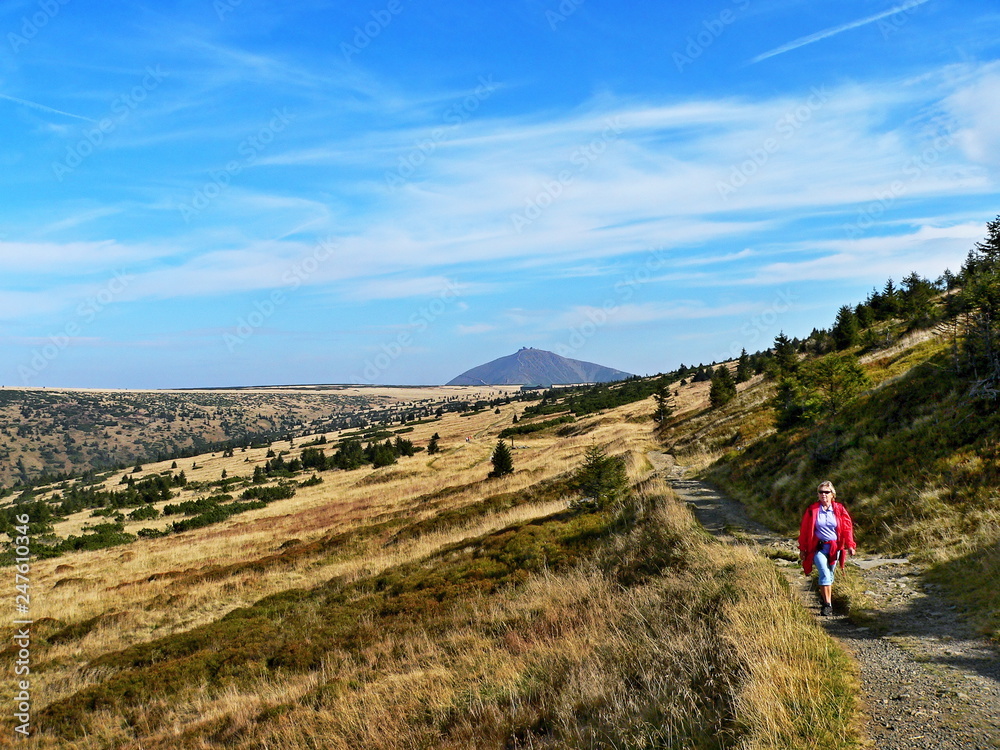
530 366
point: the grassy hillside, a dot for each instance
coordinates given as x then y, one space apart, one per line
914 457
395 597
422 605
52 432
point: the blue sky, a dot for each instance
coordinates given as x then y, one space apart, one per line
241 192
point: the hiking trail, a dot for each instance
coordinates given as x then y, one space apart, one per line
928 680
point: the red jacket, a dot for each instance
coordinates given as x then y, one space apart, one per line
808 541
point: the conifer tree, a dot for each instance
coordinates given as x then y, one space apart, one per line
846 329
663 406
723 389
864 315
980 297
602 478
744 370
503 461
989 249
785 358
890 299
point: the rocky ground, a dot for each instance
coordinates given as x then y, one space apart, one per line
929 680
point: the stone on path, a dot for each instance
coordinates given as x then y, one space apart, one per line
877 562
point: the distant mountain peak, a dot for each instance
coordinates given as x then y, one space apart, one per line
530 366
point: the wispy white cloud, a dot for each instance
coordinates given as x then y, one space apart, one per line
44 108
648 312
78 219
66 259
977 108
654 186
475 329
928 250
421 286
834 30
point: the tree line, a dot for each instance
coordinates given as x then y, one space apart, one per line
818 375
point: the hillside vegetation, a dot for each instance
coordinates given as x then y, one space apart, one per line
320 592
914 458
421 605
898 405
51 433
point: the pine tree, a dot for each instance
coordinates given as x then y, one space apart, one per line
433 446
602 478
381 454
785 357
723 389
915 298
503 461
989 249
821 387
890 299
980 297
864 314
744 370
846 329
663 406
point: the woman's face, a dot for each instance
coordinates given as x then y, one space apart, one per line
825 497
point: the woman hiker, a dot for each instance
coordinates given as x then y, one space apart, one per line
827 532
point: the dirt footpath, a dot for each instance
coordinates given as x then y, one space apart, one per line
929 681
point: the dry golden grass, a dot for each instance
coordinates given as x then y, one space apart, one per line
576 643
146 583
65 430
697 435
614 666
783 701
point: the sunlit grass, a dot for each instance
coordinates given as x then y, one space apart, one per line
433 608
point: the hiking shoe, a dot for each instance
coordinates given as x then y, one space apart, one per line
826 610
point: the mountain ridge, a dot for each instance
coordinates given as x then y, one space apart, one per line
530 366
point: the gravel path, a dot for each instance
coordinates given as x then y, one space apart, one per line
929 681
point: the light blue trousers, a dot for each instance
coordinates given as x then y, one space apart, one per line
823 566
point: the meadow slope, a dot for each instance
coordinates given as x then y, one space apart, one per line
421 605
915 458
53 432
